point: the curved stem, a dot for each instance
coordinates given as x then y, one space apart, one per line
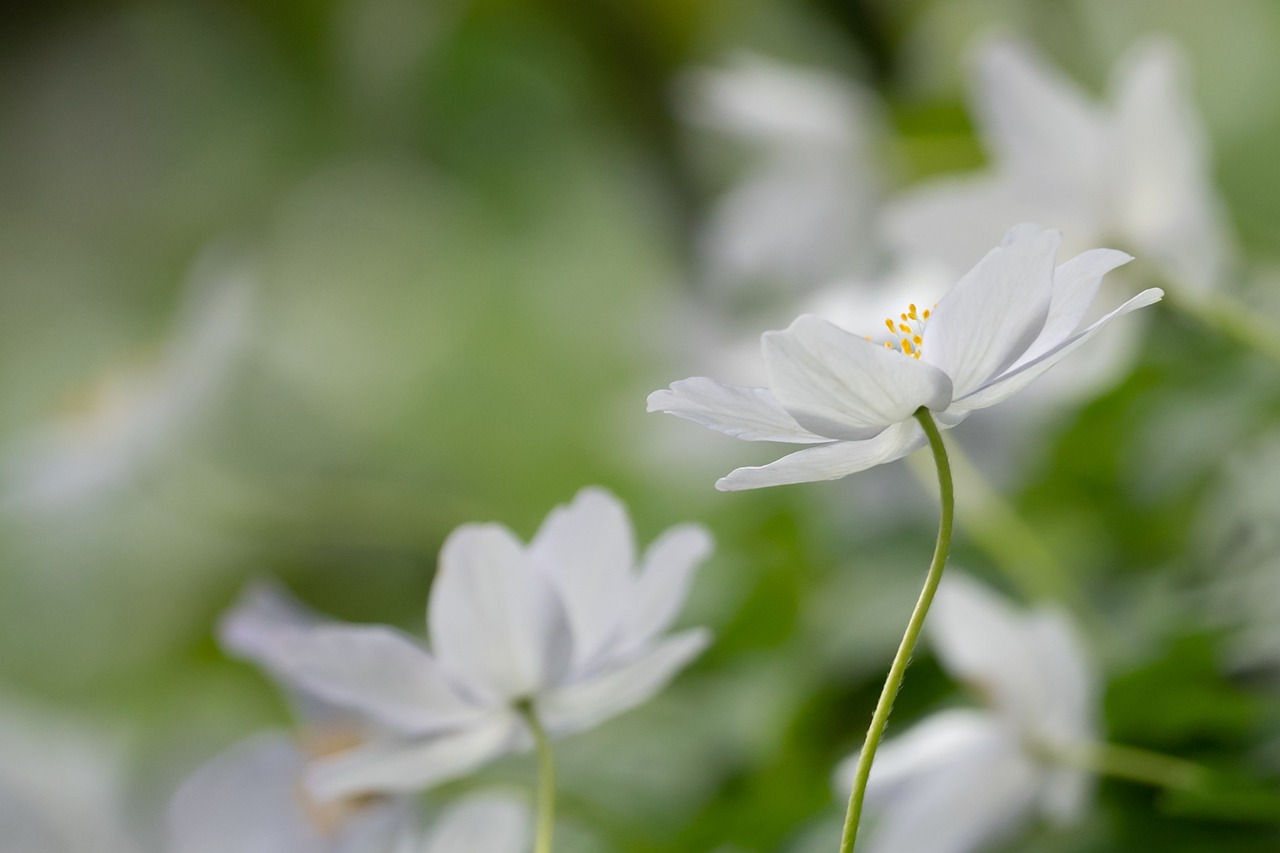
900 660
546 778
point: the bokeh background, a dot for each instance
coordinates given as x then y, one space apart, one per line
291 290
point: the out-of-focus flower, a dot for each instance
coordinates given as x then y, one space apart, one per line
251 800
567 627
1012 317
131 415
965 777
805 211
60 786
1133 169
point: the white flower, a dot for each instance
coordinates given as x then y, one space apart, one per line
133 413
250 799
1012 317
805 210
965 777
568 624
1133 169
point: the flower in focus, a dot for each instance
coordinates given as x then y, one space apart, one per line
568 627
805 211
1007 321
250 799
132 414
963 778
1133 169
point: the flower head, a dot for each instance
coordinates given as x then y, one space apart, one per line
1007 321
568 626
963 777
1133 168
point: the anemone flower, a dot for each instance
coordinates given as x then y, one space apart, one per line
964 778
1133 169
567 631
1007 321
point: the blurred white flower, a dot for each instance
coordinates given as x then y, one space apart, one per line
805 210
568 625
61 786
133 413
963 778
251 800
1007 321
1133 169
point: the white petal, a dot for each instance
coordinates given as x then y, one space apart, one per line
995 311
1168 206
841 385
663 584
495 622
1068 707
412 764
1042 130
248 800
958 802
374 670
980 640
1006 385
485 823
939 741
578 706
587 550
1075 284
244 800
752 414
957 220
262 609
829 462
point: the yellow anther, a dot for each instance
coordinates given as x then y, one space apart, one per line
904 317
926 313
889 322
906 345
911 311
906 330
888 344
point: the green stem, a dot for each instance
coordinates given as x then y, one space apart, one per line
899 667
546 778
1233 319
1128 762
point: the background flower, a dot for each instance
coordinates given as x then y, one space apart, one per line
569 625
962 779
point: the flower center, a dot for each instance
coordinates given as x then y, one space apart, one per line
907 331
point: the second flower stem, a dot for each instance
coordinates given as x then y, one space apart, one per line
546 779
898 669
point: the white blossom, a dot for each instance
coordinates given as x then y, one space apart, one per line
805 210
963 778
1133 168
569 626
1007 321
